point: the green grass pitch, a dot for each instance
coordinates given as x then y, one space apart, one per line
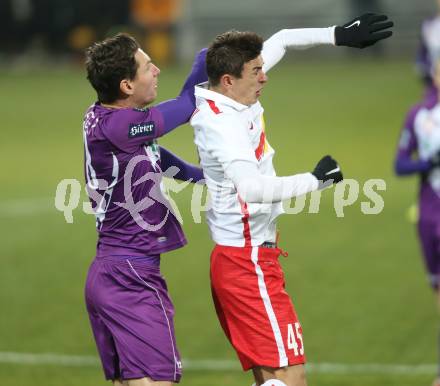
357 282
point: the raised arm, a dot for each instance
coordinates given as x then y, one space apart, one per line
361 32
128 129
276 46
178 111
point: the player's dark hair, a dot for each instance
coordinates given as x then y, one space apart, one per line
228 53
109 62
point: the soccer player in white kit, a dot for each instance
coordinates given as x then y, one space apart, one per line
247 281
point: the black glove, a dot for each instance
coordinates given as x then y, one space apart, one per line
363 31
435 160
327 172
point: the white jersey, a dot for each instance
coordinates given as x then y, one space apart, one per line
227 131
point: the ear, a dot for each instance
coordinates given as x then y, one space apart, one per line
126 87
226 81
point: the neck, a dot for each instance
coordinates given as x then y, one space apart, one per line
121 104
217 89
224 92
110 106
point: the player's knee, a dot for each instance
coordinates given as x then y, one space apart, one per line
296 375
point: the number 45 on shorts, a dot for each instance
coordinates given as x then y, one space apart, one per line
293 337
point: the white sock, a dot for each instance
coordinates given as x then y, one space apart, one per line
273 382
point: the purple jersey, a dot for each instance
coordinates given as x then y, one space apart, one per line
421 136
123 172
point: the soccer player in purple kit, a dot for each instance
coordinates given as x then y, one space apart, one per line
421 136
130 311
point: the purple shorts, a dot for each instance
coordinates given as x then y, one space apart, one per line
131 316
429 233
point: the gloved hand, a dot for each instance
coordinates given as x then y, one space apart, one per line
435 160
363 31
328 172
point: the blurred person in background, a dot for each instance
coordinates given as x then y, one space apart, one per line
429 53
419 153
247 281
156 21
130 311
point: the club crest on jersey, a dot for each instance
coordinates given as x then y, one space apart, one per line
143 129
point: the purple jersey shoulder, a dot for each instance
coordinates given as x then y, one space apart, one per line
127 129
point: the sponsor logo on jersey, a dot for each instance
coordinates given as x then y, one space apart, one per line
143 129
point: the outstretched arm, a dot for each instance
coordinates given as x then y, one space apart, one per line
276 46
252 186
361 32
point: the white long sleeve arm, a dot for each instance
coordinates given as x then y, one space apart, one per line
252 186
275 47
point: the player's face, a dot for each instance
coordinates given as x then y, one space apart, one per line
247 89
146 80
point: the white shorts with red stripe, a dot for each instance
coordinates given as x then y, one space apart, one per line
253 307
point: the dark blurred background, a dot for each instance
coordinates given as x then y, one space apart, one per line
171 30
